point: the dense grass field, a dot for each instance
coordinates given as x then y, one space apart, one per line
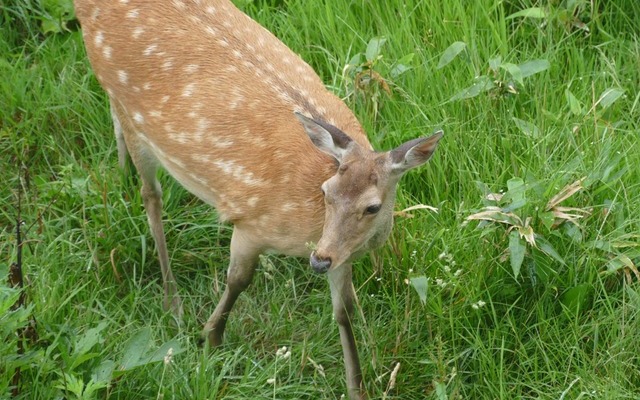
523 285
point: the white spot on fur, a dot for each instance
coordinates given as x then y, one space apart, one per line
180 137
167 65
201 158
98 39
192 114
123 77
286 207
146 86
106 52
150 49
165 98
252 201
238 172
133 13
211 31
188 90
223 42
138 118
124 1
191 68
137 32
220 142
95 13
179 4
211 10
231 69
237 54
236 98
284 96
155 114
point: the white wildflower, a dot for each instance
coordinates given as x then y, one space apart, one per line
168 356
478 305
443 284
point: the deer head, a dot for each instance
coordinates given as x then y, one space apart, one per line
360 197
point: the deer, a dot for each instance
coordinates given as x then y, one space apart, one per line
198 88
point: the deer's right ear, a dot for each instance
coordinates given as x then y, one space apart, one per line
414 153
326 137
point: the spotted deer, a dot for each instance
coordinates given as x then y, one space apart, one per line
243 123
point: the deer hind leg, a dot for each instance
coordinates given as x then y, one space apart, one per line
242 265
343 296
146 164
122 146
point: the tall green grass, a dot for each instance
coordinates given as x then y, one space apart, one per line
562 326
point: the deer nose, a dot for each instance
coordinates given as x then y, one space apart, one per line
319 264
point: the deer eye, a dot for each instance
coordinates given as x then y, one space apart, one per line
373 209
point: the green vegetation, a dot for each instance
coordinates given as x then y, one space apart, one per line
524 284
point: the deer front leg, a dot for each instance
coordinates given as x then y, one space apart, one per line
244 257
343 296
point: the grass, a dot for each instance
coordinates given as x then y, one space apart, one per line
564 327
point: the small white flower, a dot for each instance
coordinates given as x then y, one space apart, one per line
271 381
168 356
281 351
458 272
442 255
478 305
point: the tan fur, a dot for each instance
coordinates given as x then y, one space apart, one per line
200 89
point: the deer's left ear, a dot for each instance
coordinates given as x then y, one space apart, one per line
326 137
414 153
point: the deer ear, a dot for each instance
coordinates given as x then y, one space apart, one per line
414 153
326 137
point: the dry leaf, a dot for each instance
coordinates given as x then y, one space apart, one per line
565 193
405 213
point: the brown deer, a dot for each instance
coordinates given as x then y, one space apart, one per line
236 117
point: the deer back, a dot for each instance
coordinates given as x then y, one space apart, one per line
211 95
